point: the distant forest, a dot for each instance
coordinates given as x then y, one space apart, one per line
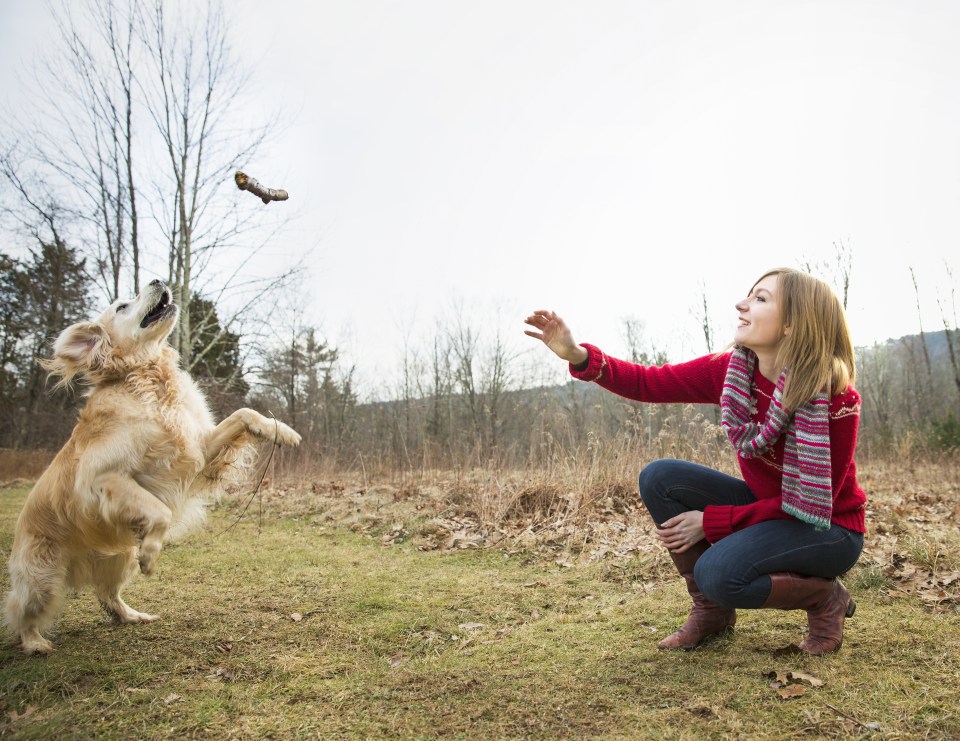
460 403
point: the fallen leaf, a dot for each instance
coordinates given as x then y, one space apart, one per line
172 698
780 679
296 617
790 684
471 626
808 678
791 691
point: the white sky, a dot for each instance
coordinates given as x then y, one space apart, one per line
601 159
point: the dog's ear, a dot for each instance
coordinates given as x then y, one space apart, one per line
80 349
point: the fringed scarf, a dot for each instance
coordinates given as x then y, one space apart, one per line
807 487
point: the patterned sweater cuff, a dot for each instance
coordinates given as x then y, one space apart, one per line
596 364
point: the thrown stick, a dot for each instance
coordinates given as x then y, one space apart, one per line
245 182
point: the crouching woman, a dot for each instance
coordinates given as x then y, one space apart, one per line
782 535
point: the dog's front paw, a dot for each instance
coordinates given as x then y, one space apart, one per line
287 436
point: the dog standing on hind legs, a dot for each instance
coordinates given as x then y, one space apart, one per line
142 459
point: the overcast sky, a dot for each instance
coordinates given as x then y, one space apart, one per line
605 160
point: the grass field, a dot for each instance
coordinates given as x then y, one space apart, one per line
341 619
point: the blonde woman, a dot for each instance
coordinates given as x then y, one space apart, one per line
782 535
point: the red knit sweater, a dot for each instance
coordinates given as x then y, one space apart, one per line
700 381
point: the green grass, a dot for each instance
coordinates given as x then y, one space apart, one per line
401 643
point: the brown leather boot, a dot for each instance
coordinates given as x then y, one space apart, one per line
706 618
826 601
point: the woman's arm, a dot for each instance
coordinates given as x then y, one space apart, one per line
720 520
698 381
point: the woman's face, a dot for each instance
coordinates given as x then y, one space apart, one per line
760 327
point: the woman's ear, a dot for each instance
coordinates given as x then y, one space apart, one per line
79 349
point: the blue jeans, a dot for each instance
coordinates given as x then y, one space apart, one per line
733 571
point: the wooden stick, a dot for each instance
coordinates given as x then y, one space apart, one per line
245 182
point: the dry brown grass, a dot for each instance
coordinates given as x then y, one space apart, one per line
20 466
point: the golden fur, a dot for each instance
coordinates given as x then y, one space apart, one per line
143 457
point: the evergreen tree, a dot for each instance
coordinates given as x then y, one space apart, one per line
298 382
40 299
215 361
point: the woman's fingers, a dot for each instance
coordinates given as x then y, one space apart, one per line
679 532
677 545
540 318
542 321
667 524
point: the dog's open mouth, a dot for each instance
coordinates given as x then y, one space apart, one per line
162 309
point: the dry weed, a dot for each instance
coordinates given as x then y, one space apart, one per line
20 466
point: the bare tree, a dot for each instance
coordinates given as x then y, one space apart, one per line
843 270
138 104
464 344
439 390
703 317
839 271
923 337
950 329
495 380
80 139
194 93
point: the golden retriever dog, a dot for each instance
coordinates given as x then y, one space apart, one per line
140 463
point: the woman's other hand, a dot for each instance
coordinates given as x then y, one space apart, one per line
680 532
553 332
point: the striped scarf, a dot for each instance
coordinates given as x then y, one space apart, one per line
807 487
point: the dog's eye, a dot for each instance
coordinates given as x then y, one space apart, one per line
121 307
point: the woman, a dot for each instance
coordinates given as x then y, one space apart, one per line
782 535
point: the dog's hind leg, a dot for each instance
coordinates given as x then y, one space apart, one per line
109 575
124 502
37 587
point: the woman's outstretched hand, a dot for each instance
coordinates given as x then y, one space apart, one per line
554 333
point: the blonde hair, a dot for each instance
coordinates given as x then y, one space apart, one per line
817 350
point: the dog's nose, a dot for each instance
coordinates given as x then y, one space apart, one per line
156 282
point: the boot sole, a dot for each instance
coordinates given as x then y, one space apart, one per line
703 641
